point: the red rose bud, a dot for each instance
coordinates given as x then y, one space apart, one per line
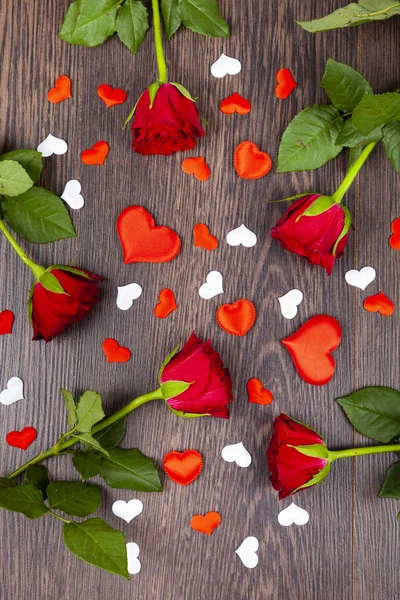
297 457
208 387
62 296
168 123
314 227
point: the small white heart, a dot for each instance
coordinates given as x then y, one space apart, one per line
225 65
71 194
212 287
127 510
247 552
237 453
241 235
293 514
13 392
134 565
52 145
127 294
289 303
361 278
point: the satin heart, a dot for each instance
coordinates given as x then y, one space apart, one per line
289 303
241 236
293 514
52 145
97 154
257 394
127 294
166 304
202 237
13 392
247 552
238 454
361 278
61 91
114 352
394 239
183 467
225 65
235 104
6 321
212 287
207 523
379 303
250 162
311 347
237 318
142 240
71 194
127 510
111 96
286 84
134 565
21 439
197 167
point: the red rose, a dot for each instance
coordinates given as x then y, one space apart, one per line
315 237
211 387
170 125
293 466
52 312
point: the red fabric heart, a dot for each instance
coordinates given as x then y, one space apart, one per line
235 104
250 162
114 352
379 303
311 346
207 523
394 239
61 91
257 393
202 237
286 84
197 167
111 96
183 467
6 321
142 240
22 439
166 305
237 318
95 155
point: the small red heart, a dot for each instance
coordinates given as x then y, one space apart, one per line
257 393
183 467
95 155
286 84
235 104
207 523
166 305
250 162
197 167
61 91
394 239
114 352
111 96
379 303
6 321
202 237
22 439
237 318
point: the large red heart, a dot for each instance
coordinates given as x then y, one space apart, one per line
142 240
236 318
379 303
22 439
286 84
114 352
257 394
235 104
95 155
183 467
6 321
311 346
111 96
61 91
207 523
250 162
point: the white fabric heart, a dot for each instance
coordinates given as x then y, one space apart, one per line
237 453
247 552
293 514
13 392
127 510
127 294
361 278
212 287
225 65
241 235
289 303
52 145
71 194
134 565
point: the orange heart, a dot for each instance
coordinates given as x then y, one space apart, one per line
6 321
237 318
22 439
96 155
394 239
311 346
114 352
142 240
286 84
257 393
203 238
250 162
197 167
379 303
166 305
207 523
235 104
61 91
183 467
111 96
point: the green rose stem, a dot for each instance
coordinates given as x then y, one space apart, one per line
162 67
352 173
37 270
63 444
336 454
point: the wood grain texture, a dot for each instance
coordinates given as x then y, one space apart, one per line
348 549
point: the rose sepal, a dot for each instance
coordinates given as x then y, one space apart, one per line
171 389
183 91
319 206
186 415
51 283
318 478
345 230
313 450
167 360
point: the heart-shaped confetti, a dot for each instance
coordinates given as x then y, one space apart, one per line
127 294
207 523
183 467
111 96
97 154
114 352
134 565
293 514
238 454
361 278
241 236
257 394
212 287
247 552
166 304
311 346
13 392
142 240
237 318
21 439
250 162
235 104
61 91
127 510
394 239
289 303
286 84
6 321
379 303
197 167
202 237
72 194
225 65
52 145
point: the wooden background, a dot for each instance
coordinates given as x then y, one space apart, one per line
349 549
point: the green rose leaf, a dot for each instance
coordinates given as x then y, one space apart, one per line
30 160
89 442
71 407
391 486
38 216
203 16
97 543
374 111
129 469
37 476
14 180
391 142
309 140
110 436
7 483
171 16
73 498
351 137
25 499
89 411
374 412
132 24
170 389
344 86
86 463
89 22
